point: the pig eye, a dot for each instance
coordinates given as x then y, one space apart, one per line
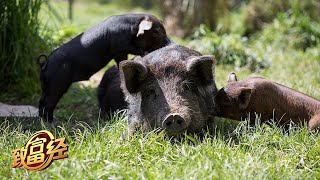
152 93
156 30
187 87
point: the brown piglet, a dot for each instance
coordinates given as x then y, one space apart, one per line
241 99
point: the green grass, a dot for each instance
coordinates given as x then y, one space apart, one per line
233 150
18 68
99 151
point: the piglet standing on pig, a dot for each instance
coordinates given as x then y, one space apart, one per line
80 58
241 99
171 88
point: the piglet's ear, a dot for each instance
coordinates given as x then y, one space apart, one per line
244 97
232 77
132 73
202 68
144 25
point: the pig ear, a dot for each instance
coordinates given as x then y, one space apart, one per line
136 58
144 25
202 68
132 73
244 97
232 77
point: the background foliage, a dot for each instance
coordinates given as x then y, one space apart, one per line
231 31
20 41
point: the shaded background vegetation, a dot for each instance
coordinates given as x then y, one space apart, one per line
237 32
20 41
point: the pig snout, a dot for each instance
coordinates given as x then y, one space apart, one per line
175 123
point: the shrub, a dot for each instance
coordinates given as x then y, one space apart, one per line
227 49
295 30
260 12
19 44
64 34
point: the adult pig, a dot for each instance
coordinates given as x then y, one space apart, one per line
241 99
90 51
171 89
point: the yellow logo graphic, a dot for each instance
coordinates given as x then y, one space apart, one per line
40 151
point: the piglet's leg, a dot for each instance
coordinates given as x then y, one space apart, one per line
120 58
136 51
58 85
52 101
102 104
314 122
42 103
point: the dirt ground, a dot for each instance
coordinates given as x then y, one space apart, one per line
7 110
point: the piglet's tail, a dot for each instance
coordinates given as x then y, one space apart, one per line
42 64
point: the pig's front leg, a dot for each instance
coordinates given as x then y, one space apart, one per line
57 84
137 51
42 105
120 58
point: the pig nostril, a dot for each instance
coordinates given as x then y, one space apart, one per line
174 123
168 123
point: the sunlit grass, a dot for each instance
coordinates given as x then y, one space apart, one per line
99 151
85 14
231 151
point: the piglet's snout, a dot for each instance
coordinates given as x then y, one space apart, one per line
174 123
